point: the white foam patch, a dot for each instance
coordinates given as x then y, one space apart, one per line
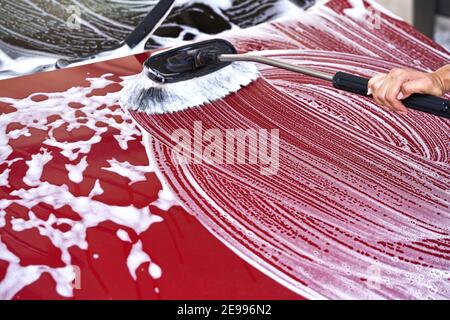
4 176
36 166
96 190
2 219
154 271
358 12
57 104
24 65
379 7
76 170
142 94
123 235
166 199
92 212
125 169
3 205
17 276
137 257
14 134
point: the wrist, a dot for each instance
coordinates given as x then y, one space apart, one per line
443 76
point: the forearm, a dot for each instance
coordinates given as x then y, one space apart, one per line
443 74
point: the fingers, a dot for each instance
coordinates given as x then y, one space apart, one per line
424 85
392 90
387 89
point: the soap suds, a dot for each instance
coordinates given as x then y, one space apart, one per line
96 190
166 199
76 170
125 169
41 192
18 277
137 257
358 12
4 176
123 235
36 166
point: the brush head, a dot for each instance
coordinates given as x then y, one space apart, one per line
186 77
188 62
145 95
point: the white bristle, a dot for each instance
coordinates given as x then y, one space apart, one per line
144 95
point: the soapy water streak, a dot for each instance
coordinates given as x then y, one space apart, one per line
360 207
358 188
74 109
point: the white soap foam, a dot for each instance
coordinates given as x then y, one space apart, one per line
4 176
358 12
36 166
76 170
123 235
154 270
17 276
137 257
2 218
92 212
133 172
96 190
166 199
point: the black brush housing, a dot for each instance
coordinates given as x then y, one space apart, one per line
189 61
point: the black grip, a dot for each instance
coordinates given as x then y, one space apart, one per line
421 102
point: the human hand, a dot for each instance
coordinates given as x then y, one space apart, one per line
389 89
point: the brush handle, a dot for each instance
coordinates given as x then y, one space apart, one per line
348 82
421 102
275 63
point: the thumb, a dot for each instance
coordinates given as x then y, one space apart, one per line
414 86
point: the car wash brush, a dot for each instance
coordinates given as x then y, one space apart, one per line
203 72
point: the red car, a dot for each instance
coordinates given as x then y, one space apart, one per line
356 203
